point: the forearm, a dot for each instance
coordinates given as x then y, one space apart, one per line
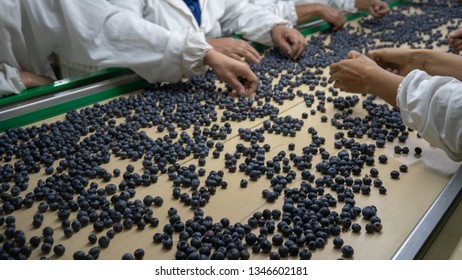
306 12
438 63
385 85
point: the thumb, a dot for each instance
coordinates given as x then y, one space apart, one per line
375 54
353 54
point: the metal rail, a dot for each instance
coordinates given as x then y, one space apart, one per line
442 207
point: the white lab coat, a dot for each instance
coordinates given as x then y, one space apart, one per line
286 8
433 107
92 32
220 18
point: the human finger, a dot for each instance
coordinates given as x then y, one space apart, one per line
339 85
285 46
251 86
334 67
298 46
353 54
251 54
455 33
457 44
235 56
376 55
235 84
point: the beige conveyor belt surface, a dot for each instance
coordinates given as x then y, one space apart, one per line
406 201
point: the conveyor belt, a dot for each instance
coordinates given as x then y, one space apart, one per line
438 179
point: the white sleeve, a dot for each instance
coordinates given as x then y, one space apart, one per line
283 9
250 21
10 81
134 6
433 107
99 34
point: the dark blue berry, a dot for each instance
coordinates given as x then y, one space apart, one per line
347 251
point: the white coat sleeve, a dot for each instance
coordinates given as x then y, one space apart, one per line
433 107
283 9
250 21
134 6
10 81
100 34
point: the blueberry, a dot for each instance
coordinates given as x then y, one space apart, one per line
377 226
59 250
233 254
338 242
139 254
46 248
35 241
47 231
283 251
383 159
418 150
347 251
148 200
167 243
305 254
374 172
369 211
158 201
92 238
104 241
403 168
394 174
356 227
94 252
274 256
370 228
365 189
127 256
382 190
79 255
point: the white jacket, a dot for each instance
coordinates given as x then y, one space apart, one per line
433 107
220 18
92 32
286 8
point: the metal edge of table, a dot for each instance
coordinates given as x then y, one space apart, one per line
64 84
432 220
43 106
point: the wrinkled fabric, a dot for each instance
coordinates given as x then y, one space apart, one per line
220 18
433 107
286 8
94 33
10 82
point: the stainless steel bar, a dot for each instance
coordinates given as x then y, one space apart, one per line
424 228
43 101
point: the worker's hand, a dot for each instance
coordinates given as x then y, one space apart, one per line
355 73
235 48
236 74
377 8
455 39
289 39
333 16
361 74
32 80
397 60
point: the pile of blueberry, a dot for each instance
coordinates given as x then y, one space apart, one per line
193 121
